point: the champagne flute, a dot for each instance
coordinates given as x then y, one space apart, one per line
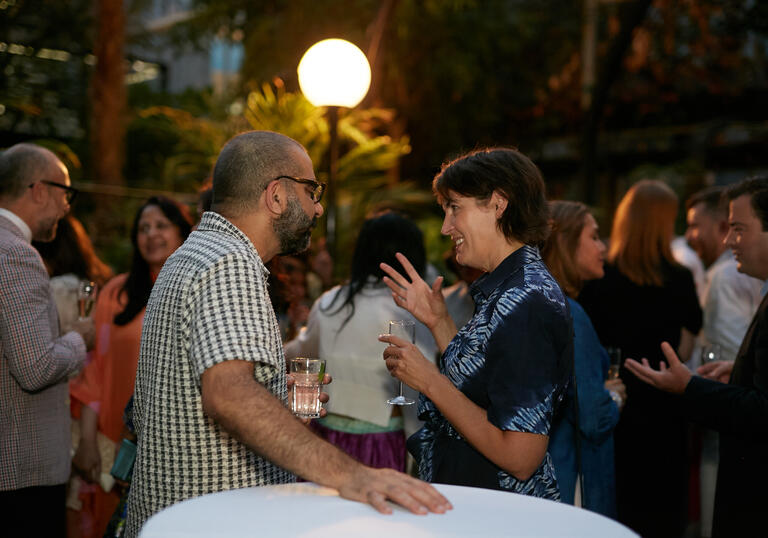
86 294
406 330
614 364
711 353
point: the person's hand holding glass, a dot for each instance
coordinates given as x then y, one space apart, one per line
711 353
426 303
305 380
405 362
714 365
86 296
406 330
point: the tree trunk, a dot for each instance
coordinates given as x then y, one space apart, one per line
107 120
609 72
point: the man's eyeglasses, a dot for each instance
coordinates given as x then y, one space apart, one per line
318 189
71 192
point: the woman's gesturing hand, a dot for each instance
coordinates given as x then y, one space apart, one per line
414 294
406 363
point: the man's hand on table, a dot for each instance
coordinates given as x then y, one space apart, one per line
377 486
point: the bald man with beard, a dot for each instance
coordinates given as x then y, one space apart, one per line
211 391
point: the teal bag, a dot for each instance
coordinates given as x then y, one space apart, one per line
123 466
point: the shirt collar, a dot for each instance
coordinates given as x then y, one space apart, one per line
214 222
725 255
485 285
18 222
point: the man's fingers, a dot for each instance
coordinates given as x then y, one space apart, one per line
429 497
327 379
643 372
670 354
379 502
404 497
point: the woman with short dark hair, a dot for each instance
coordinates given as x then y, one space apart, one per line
488 406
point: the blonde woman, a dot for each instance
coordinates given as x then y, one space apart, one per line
645 298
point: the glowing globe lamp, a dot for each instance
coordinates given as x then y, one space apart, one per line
334 72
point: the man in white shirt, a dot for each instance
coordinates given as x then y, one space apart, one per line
729 300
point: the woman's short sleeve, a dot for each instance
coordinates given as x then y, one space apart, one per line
527 362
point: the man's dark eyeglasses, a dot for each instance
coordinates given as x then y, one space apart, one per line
71 191
318 189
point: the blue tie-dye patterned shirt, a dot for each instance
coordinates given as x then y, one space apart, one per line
513 358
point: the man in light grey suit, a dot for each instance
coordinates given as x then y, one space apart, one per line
35 361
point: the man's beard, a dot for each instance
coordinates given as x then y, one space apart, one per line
293 228
47 230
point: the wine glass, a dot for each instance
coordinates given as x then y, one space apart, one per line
406 330
614 364
711 353
86 294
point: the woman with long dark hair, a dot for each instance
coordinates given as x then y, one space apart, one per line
645 298
342 328
104 387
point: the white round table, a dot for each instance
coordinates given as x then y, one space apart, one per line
313 511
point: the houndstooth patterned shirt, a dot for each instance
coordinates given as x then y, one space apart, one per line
208 305
34 365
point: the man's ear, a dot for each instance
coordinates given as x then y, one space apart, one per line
38 192
722 227
275 197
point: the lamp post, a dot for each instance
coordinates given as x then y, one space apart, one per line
333 73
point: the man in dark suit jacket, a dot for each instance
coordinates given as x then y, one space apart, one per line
738 409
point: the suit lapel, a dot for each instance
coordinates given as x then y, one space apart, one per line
744 365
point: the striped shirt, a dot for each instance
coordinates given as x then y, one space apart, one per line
208 305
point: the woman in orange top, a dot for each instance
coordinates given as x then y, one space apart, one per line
102 390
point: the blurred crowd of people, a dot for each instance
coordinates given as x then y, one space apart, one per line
516 389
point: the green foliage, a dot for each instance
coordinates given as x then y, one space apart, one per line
44 70
171 149
290 114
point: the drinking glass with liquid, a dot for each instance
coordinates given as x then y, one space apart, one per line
614 362
711 353
308 378
86 295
